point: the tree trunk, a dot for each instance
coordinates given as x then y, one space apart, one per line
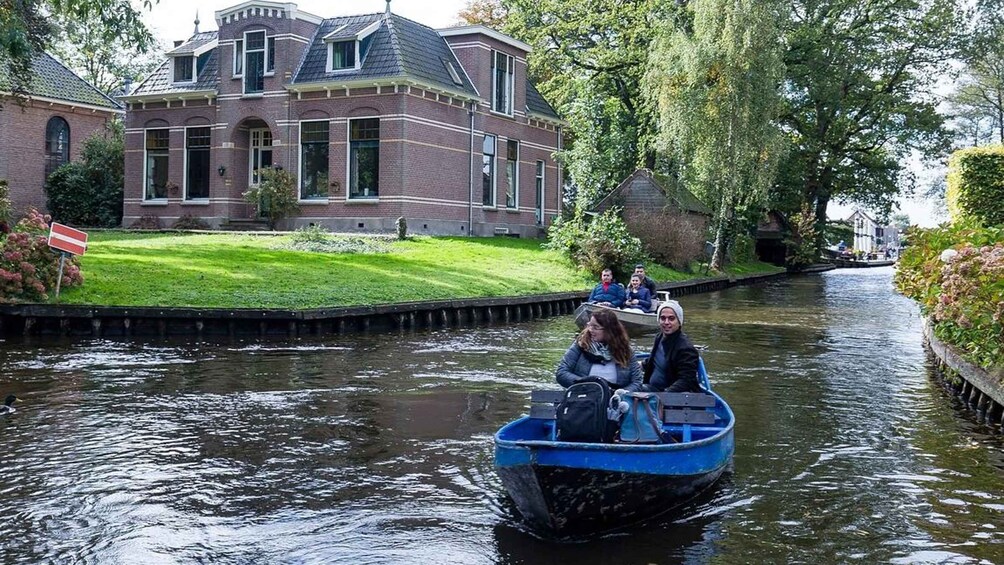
721 237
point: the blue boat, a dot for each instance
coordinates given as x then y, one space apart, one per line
570 489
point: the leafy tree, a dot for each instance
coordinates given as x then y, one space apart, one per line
79 44
859 96
717 92
489 13
27 27
589 57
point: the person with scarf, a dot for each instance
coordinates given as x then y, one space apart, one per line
672 366
601 350
608 292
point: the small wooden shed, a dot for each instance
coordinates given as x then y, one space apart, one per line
771 233
645 191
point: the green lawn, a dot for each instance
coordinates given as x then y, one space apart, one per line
253 271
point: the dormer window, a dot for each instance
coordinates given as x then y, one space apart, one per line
503 83
347 45
184 69
343 55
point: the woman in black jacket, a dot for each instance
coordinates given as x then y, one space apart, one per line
672 366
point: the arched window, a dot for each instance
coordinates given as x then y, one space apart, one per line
57 144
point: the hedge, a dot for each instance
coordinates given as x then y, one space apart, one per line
976 185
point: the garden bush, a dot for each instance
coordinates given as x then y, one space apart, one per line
28 267
190 222
975 189
148 222
89 192
275 196
964 296
670 238
604 242
5 207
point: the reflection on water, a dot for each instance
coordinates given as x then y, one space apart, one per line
377 448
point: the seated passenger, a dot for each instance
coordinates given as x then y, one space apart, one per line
601 350
638 297
672 366
608 292
646 281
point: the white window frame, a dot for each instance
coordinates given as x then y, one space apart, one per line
259 147
174 70
299 179
146 164
515 179
264 61
184 160
510 81
238 57
331 57
348 161
269 53
493 173
539 192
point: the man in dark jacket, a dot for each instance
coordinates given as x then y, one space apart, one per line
672 366
646 281
608 292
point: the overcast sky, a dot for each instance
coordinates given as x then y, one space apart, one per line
174 19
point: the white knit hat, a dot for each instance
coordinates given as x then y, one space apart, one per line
676 308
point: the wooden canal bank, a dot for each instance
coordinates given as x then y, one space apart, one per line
980 390
98 321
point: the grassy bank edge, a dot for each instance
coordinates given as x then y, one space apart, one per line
260 270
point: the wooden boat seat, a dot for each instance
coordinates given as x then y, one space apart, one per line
687 409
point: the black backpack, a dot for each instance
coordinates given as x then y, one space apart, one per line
582 412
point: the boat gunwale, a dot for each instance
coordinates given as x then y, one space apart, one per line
615 447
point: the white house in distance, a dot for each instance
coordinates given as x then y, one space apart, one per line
864 231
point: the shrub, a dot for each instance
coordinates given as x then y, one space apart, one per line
965 295
275 196
311 234
28 267
314 239
89 192
5 206
975 189
801 244
671 239
605 242
146 223
189 222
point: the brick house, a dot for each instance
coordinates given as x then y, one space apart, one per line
378 116
48 129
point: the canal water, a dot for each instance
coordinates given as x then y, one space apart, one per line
377 448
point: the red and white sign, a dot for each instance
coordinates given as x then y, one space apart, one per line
65 238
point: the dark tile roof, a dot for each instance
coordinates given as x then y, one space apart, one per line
347 30
54 80
536 103
195 42
159 81
399 48
675 193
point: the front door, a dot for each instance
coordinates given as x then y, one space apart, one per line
260 158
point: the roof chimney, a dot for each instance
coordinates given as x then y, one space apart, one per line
388 7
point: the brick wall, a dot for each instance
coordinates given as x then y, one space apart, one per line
22 146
